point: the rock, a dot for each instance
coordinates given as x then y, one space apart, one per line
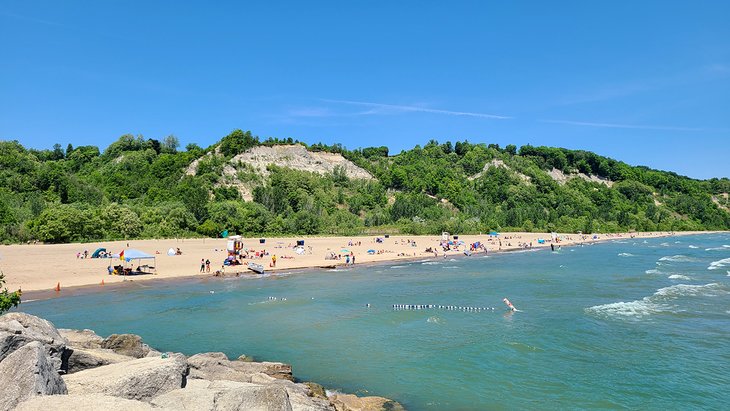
244 358
18 329
81 338
126 344
140 379
153 353
82 359
225 395
82 402
317 390
27 372
217 366
301 396
349 402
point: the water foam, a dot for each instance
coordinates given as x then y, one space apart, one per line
679 277
678 259
632 309
693 246
625 255
681 290
723 248
653 271
656 302
431 263
716 265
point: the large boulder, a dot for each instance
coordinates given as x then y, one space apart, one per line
349 402
126 344
85 358
140 379
27 372
217 366
18 329
81 338
225 395
82 402
301 396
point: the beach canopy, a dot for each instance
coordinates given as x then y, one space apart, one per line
371 251
493 233
132 254
171 252
97 252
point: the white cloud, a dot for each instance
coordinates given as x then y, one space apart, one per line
381 108
629 126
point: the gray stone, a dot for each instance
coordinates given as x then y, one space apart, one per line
301 396
349 402
82 402
139 379
81 338
18 329
27 372
126 344
217 366
225 396
85 358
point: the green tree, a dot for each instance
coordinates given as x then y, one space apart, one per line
8 299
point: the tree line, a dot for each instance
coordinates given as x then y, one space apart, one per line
144 188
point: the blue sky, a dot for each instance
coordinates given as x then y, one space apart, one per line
644 82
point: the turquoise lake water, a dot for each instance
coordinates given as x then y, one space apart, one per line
623 324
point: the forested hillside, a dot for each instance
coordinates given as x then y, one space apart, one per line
147 188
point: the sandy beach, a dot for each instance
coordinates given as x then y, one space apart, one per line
38 267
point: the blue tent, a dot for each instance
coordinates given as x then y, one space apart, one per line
132 254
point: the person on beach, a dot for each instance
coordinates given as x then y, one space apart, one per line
273 260
202 265
207 266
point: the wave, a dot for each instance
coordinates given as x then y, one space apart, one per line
625 255
435 320
680 290
664 244
716 265
655 303
723 248
653 271
679 277
431 263
632 309
693 246
398 266
678 259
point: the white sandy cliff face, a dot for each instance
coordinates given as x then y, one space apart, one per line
295 156
562 178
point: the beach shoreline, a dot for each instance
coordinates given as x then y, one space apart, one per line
38 269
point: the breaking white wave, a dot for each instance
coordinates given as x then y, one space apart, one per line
679 277
716 265
435 320
693 246
678 259
625 255
653 271
724 247
431 263
655 303
632 309
664 244
679 290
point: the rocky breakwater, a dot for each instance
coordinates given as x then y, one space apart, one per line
44 368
